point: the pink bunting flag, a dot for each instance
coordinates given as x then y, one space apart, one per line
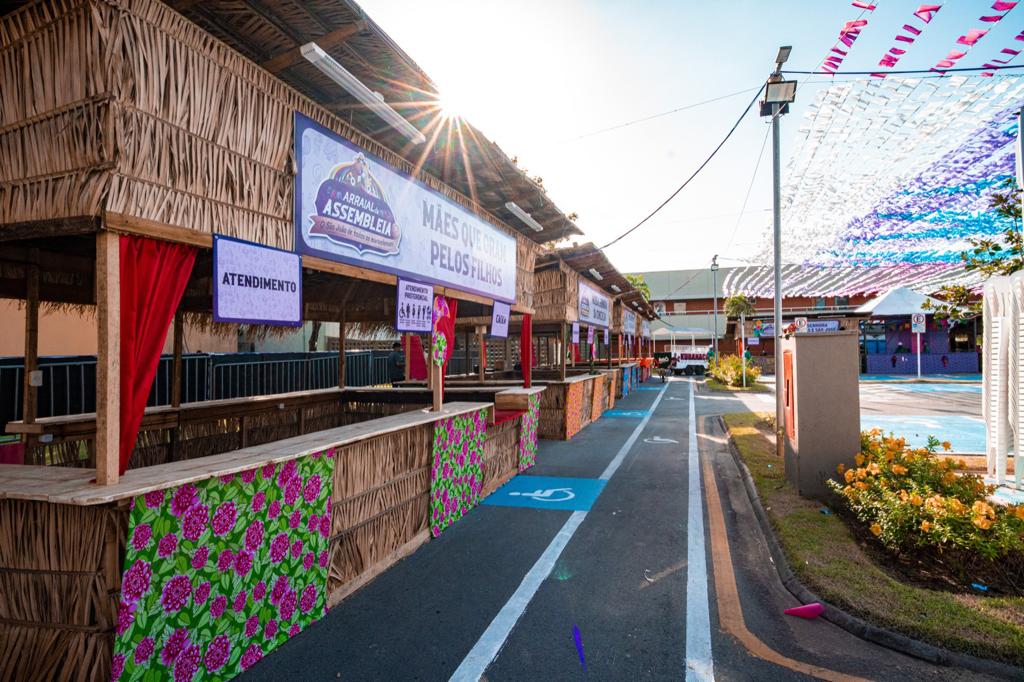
972 37
864 5
1003 5
992 18
926 12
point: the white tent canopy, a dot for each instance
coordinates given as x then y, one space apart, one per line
898 301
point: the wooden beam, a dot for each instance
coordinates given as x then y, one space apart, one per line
54 227
179 334
291 57
341 349
108 357
482 351
563 348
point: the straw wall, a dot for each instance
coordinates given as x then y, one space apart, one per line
555 297
380 504
58 575
501 454
126 107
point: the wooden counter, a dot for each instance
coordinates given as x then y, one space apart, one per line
62 485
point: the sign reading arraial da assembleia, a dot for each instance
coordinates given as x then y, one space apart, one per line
352 207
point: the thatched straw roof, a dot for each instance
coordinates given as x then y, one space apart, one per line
270 32
581 258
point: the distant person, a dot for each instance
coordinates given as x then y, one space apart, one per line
396 363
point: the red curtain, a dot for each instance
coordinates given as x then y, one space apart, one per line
417 364
526 349
153 278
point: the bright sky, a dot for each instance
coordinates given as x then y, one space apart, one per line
537 76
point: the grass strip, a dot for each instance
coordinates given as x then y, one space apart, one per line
831 562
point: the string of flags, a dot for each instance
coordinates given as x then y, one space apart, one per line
847 36
908 34
945 146
971 38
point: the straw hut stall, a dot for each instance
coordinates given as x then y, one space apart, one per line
631 318
166 168
574 293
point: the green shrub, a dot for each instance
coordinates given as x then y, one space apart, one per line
911 497
729 370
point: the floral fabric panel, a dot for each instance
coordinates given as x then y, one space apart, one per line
456 477
220 572
528 433
573 409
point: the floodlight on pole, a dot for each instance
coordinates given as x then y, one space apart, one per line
373 101
514 209
782 57
779 94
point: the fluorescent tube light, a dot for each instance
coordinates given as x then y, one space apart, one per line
372 100
595 273
616 289
523 215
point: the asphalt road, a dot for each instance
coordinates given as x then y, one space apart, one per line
502 593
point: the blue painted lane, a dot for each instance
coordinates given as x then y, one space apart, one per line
965 434
628 414
547 492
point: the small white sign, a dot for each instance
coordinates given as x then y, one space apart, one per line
754 341
606 336
917 321
413 311
575 332
801 324
499 319
255 284
590 336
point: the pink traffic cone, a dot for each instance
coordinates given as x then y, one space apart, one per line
809 611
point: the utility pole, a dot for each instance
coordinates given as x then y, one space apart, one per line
778 95
714 298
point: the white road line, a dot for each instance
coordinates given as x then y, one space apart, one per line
487 647
699 663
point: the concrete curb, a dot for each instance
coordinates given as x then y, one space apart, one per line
855 626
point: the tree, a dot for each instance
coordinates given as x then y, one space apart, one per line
1002 255
638 283
738 305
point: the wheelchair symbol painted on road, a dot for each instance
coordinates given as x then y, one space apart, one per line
659 439
548 495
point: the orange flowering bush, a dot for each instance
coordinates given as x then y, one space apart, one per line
910 497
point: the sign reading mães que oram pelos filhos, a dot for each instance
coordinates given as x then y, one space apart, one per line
593 306
353 208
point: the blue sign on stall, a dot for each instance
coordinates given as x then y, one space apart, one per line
547 492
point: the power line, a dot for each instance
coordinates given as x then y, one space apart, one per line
746 198
679 189
654 116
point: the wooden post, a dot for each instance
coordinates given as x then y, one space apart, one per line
341 350
565 347
507 364
608 348
108 357
469 356
29 402
435 374
407 348
179 333
483 351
